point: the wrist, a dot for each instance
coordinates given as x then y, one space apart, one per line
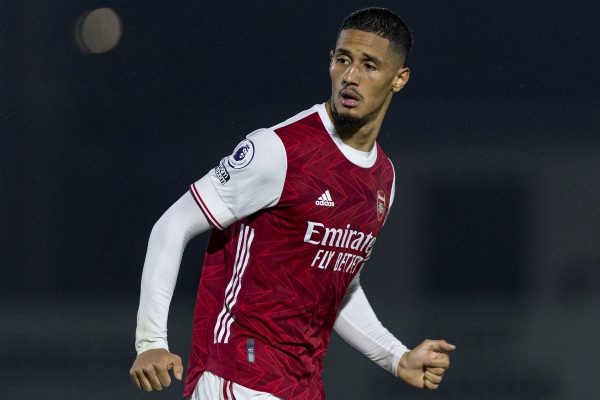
402 365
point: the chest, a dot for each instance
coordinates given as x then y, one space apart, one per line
324 187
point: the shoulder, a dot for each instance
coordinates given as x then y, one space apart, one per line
272 144
265 137
263 147
314 110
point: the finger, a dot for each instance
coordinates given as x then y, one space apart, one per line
437 363
429 385
437 379
162 374
150 375
438 360
134 379
177 367
144 384
436 371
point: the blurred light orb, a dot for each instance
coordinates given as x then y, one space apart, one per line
98 31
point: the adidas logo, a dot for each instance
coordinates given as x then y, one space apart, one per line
325 200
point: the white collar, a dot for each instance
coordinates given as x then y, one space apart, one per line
364 159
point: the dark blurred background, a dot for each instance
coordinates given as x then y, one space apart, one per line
494 238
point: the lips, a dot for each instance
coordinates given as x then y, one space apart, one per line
349 98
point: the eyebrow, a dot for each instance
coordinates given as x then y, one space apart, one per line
366 56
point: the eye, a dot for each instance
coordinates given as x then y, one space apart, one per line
370 67
342 60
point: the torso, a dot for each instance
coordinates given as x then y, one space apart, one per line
272 283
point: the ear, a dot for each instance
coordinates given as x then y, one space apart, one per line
400 79
331 54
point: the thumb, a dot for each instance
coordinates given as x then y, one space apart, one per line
177 366
441 345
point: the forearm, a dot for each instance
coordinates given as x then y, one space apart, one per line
358 325
168 239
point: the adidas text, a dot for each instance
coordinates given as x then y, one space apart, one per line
325 203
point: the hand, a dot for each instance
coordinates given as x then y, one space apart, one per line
425 365
150 370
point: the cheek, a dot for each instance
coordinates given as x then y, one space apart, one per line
380 90
376 93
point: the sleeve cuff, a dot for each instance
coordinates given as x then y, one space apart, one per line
144 345
211 204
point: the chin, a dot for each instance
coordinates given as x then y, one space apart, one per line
346 112
346 122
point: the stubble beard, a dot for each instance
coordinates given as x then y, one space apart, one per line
346 125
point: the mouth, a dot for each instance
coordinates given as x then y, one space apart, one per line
350 98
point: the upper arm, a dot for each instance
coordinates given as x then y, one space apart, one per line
248 180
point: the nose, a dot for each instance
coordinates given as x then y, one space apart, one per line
350 76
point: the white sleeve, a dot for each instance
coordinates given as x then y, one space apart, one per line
171 233
248 180
358 325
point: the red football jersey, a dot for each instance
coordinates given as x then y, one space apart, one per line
273 282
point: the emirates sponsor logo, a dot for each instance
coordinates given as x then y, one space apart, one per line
339 249
325 200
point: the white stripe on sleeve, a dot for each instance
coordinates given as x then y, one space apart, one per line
210 202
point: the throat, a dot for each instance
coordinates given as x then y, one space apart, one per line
359 142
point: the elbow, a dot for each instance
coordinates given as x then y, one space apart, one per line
159 227
166 230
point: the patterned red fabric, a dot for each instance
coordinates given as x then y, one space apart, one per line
272 283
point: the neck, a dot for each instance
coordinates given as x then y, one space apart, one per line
362 138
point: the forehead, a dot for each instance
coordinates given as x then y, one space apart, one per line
356 41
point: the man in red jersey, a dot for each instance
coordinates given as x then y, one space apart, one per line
295 211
